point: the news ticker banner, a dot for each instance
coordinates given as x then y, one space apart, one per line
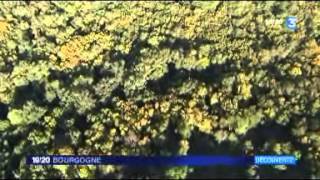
161 160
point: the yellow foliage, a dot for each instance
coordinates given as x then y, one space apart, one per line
164 106
51 122
4 28
316 61
296 70
62 168
84 172
80 49
134 116
113 132
270 112
107 168
5 90
202 91
215 98
184 147
144 141
192 103
201 119
245 88
66 150
151 112
313 51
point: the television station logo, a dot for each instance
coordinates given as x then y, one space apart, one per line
290 23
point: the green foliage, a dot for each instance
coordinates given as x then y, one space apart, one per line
4 124
177 173
28 114
247 120
26 72
146 78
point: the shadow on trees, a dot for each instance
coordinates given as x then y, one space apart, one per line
4 109
33 91
61 131
213 75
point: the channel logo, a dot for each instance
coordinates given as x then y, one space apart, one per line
291 23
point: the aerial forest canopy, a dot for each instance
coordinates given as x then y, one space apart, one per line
159 78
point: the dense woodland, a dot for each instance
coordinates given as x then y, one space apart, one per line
159 78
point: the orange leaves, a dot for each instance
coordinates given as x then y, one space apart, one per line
4 27
313 52
316 61
137 117
65 150
315 48
81 49
70 53
197 117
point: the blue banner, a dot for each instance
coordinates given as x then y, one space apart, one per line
275 160
153 160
